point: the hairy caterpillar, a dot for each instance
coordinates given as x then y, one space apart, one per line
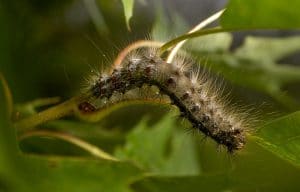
190 91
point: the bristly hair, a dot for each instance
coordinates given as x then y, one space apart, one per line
190 89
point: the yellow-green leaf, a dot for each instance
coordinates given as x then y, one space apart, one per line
128 10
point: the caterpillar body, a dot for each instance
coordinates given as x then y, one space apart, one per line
194 94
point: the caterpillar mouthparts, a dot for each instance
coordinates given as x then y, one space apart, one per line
194 95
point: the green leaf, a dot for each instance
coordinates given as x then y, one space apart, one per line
179 184
148 147
219 42
182 159
23 172
128 10
71 174
268 49
255 62
282 137
165 27
60 173
96 16
253 14
113 15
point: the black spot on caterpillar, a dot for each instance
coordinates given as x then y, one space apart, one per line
86 107
190 91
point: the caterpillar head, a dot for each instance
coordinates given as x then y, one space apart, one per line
233 140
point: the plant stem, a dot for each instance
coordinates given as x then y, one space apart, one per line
201 25
135 45
55 112
175 41
92 149
102 113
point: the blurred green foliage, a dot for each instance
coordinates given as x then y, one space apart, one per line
48 47
264 14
